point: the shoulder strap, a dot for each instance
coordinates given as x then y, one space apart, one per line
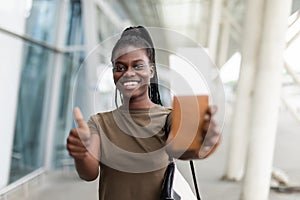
166 127
167 131
195 180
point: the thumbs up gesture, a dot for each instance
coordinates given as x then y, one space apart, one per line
79 138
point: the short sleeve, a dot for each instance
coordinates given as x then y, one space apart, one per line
93 125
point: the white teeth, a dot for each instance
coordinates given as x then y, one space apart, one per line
131 83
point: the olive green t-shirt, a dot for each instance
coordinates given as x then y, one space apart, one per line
132 154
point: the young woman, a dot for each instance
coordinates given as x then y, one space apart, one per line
126 146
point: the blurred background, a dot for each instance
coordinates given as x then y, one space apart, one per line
44 72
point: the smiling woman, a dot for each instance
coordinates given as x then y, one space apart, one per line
129 142
139 37
132 73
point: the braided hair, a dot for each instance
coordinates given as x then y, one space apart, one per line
138 36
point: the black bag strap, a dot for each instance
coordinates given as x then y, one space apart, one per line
167 185
195 180
166 127
167 131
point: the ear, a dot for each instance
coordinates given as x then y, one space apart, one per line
152 71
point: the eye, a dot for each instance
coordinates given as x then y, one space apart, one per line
119 68
139 67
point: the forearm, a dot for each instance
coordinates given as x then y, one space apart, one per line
87 168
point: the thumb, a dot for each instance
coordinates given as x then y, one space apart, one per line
79 119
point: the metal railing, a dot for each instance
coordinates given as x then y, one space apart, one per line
42 44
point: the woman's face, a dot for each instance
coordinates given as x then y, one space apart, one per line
132 72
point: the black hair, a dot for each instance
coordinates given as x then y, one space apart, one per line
138 36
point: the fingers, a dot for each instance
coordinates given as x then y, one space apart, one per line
208 115
79 119
83 129
75 144
75 139
76 149
78 155
210 143
207 119
78 140
212 109
210 133
211 139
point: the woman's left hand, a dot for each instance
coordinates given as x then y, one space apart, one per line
211 135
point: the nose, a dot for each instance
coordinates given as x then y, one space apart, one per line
129 72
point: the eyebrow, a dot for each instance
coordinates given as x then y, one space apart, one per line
134 61
118 62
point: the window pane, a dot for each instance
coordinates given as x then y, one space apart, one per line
70 66
29 140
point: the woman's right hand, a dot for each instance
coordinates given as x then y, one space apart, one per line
79 138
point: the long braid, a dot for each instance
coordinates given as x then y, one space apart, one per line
154 92
133 33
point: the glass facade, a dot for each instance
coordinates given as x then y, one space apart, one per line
36 82
29 139
71 64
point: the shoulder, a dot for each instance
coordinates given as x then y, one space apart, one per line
95 118
96 121
164 109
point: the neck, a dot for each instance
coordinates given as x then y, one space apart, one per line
138 102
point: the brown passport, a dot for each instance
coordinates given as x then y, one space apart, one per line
187 119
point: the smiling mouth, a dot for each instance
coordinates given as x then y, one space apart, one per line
130 83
